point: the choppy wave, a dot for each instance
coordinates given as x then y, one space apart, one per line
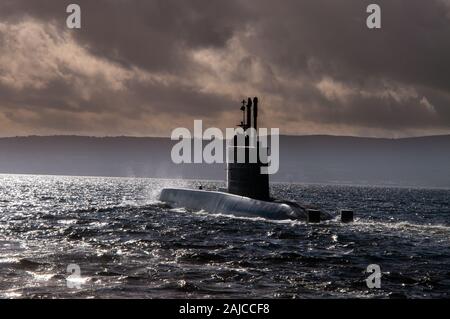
128 244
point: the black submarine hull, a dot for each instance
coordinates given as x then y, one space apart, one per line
215 202
248 190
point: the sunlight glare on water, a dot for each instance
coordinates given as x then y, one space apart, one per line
128 244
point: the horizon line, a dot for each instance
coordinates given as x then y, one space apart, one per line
168 137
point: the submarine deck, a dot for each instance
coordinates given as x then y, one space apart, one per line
216 202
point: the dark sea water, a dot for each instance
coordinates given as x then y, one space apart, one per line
128 245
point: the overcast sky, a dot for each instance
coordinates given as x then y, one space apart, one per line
145 67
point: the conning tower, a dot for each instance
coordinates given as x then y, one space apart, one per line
244 165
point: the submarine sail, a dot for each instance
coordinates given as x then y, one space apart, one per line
248 191
244 177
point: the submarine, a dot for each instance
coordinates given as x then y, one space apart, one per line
248 190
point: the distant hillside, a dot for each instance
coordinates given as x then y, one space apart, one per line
423 161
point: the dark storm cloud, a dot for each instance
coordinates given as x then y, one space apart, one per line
313 39
314 62
412 45
150 34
